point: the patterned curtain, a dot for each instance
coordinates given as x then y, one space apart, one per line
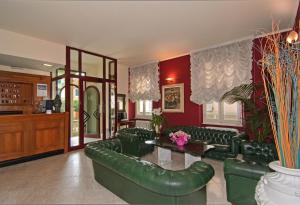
144 82
218 70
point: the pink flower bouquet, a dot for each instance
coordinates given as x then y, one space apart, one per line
181 138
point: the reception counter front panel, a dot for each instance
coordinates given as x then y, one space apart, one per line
27 135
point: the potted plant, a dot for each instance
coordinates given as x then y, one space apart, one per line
255 118
157 120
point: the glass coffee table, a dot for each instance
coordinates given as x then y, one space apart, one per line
193 150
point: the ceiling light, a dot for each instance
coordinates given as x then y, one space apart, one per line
48 65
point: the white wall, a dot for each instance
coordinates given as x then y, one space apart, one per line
123 82
16 44
122 79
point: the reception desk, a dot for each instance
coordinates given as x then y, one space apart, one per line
33 134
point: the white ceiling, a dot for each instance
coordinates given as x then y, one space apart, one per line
136 32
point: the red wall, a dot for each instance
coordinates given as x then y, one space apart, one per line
179 70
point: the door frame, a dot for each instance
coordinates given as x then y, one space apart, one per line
82 79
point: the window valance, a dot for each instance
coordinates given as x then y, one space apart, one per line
144 82
218 70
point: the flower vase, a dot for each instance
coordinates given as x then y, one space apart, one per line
279 187
157 131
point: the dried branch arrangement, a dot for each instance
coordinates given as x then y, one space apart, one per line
281 75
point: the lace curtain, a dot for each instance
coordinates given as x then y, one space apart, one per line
144 82
218 70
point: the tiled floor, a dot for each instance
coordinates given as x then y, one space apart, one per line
216 188
68 179
75 140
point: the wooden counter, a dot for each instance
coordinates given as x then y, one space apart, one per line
27 135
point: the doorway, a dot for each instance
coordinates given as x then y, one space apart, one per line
92 114
90 87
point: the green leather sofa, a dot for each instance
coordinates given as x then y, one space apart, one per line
133 140
141 182
243 175
227 143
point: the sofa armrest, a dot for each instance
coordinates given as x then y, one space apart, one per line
146 136
236 143
245 169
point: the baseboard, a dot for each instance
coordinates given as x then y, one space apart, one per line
30 158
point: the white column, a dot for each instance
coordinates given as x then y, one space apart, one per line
190 159
164 156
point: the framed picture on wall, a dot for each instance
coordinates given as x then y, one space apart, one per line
41 90
121 102
173 98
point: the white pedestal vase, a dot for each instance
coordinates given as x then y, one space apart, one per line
279 187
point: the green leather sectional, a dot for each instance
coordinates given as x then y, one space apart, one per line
141 182
133 141
227 143
242 176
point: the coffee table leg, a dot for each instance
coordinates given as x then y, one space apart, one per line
190 159
164 156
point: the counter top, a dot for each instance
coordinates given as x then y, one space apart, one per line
31 115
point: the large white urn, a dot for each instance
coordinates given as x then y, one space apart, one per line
281 187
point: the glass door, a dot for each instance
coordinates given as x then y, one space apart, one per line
74 113
92 112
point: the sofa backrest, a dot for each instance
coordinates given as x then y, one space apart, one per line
142 133
111 144
262 153
149 175
214 136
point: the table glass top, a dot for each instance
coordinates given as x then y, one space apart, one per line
193 147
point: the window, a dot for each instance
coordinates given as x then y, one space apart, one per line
144 108
223 113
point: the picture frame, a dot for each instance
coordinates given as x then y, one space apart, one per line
121 102
173 98
42 90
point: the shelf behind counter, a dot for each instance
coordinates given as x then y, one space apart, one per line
32 134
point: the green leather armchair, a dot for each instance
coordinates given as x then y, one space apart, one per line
133 140
227 143
141 182
243 175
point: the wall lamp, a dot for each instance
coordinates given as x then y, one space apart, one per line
170 80
292 37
